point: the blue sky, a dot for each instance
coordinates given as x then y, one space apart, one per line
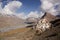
27 5
30 8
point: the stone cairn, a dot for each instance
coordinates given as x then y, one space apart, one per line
42 26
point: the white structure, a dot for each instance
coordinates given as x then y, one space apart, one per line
42 25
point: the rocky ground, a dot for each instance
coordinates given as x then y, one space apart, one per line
30 34
52 34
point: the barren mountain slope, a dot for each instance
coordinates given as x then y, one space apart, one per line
10 20
49 16
31 34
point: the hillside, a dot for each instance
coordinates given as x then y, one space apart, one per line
30 34
49 16
10 22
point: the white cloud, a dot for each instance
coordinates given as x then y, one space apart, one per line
0 7
21 15
54 1
33 14
11 7
49 6
53 11
46 5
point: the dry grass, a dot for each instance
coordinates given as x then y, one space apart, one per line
20 30
18 34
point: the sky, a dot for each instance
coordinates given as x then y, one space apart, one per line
30 8
27 5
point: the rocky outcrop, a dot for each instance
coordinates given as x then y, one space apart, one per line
50 34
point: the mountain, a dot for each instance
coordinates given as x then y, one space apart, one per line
49 16
10 21
31 34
